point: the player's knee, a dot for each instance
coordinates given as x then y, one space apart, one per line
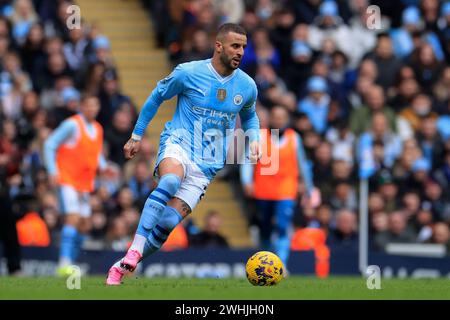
170 183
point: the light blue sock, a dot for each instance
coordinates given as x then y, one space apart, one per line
159 234
67 245
282 248
78 245
156 202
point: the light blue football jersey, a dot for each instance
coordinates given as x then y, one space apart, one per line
205 116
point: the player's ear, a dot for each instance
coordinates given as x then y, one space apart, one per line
218 46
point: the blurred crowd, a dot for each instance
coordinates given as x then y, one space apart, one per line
44 70
346 75
338 79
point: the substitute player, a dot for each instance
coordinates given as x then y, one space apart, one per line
276 205
73 152
193 145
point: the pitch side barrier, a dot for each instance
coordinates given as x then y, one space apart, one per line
223 263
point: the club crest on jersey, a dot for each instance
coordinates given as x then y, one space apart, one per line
221 94
237 99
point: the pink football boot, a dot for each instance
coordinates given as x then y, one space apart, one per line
115 275
131 260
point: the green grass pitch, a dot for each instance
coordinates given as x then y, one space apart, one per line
298 288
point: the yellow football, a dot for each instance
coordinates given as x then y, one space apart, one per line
264 268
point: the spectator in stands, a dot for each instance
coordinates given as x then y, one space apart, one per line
70 98
32 52
94 78
384 138
299 58
344 196
341 141
75 50
376 203
117 236
55 67
272 90
23 17
110 180
398 232
344 233
323 217
201 47
444 29
229 10
316 104
426 66
328 24
437 200
125 200
111 99
364 39
322 169
387 63
442 174
210 236
361 118
411 203
421 107
441 235
141 183
430 141
403 43
441 89
388 189
99 219
117 134
261 51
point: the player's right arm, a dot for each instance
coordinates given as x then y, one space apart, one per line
51 145
165 90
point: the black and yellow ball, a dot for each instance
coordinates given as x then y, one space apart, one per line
264 268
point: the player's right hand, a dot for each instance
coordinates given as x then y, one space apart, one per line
131 148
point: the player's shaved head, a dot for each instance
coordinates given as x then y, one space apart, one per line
227 28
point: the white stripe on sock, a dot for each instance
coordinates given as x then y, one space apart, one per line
138 243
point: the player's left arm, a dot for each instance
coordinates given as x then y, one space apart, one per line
304 167
250 124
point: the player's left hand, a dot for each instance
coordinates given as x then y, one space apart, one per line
255 151
131 148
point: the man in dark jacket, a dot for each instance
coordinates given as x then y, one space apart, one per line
210 236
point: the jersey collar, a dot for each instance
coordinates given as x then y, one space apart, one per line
221 79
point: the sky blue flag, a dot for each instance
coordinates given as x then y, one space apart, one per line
365 156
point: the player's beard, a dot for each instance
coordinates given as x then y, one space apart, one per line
228 62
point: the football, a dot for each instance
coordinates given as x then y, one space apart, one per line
264 268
